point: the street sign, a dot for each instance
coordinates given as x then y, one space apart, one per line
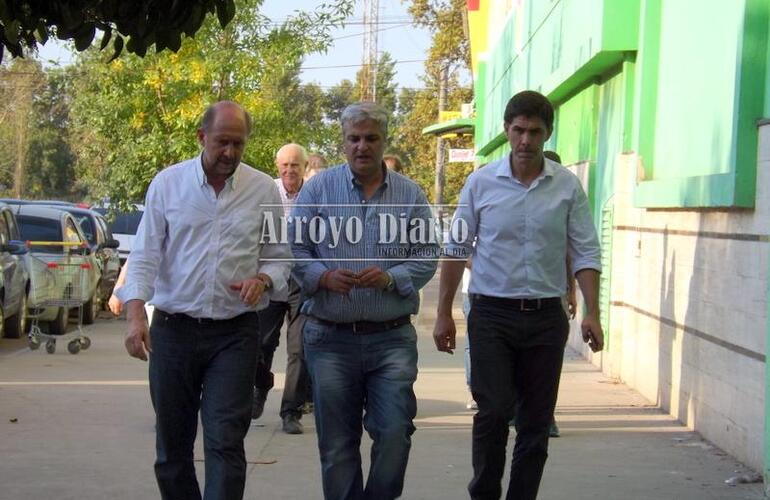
461 155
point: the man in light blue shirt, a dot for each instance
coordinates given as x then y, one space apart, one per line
364 244
198 254
525 214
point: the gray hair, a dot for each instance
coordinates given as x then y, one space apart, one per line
361 111
301 148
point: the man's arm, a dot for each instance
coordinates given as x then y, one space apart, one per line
444 332
140 277
415 272
308 270
591 327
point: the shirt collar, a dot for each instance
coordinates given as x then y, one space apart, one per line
353 183
504 168
200 175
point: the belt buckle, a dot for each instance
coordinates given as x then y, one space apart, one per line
524 307
355 329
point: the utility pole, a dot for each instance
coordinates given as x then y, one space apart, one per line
440 153
369 81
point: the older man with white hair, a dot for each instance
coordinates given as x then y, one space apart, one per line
291 161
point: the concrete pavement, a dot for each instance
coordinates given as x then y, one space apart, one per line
81 427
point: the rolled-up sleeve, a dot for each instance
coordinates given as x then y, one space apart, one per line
146 250
413 274
582 241
307 270
458 243
275 257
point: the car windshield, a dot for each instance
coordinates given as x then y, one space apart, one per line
87 225
39 229
124 222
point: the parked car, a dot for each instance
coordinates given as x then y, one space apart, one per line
123 226
46 264
103 245
14 279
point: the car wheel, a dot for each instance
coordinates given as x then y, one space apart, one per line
89 311
16 325
59 325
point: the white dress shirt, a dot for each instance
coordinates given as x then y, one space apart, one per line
523 233
192 244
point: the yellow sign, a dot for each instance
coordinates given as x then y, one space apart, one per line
445 116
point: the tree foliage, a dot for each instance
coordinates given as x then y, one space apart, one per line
449 49
134 25
133 117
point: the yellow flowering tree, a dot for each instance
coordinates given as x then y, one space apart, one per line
135 116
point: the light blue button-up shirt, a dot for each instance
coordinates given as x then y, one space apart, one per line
335 200
192 244
523 234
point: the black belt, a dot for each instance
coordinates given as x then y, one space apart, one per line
520 304
186 318
365 327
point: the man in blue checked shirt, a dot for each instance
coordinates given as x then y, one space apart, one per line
364 244
526 214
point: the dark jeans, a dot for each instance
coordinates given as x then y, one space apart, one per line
521 353
271 319
356 374
207 367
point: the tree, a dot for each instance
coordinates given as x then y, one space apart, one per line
25 25
135 116
19 83
50 162
449 49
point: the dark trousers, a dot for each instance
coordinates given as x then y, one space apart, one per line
519 353
271 319
206 367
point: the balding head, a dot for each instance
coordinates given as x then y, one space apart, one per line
230 108
291 161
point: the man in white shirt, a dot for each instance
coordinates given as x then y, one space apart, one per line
291 161
523 215
198 255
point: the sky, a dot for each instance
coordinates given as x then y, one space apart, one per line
396 35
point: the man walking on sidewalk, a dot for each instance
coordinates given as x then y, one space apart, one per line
525 213
198 255
291 161
362 286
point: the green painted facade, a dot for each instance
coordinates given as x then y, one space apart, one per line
654 75
682 84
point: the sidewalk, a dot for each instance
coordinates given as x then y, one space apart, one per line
84 430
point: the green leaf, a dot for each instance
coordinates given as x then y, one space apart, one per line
85 36
106 39
118 45
41 32
225 12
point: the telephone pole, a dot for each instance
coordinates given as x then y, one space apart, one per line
369 80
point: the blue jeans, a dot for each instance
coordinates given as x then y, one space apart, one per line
356 374
207 367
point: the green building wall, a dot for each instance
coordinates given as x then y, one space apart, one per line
680 83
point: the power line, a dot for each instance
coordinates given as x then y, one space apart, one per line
360 65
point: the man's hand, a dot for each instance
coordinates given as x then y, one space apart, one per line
138 337
571 304
339 280
251 289
592 332
115 305
444 334
373 277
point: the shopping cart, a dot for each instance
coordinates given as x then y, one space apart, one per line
58 279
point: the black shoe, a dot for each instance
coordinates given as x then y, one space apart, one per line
292 425
258 403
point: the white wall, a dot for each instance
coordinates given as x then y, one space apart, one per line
689 314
